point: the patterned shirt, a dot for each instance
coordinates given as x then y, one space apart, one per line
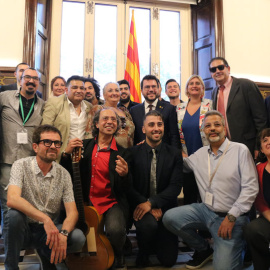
45 193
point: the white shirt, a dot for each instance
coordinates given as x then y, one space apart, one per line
77 122
146 105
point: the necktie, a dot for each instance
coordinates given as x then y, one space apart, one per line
150 107
221 106
153 174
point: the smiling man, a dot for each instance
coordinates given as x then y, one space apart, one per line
157 181
69 112
92 91
37 187
240 102
173 91
227 180
149 87
20 115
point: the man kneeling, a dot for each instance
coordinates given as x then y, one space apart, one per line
36 189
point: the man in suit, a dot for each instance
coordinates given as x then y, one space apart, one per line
20 113
68 112
105 178
241 104
125 95
157 181
20 68
149 87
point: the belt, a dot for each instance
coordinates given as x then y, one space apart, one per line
222 214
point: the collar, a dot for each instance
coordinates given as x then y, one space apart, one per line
112 145
51 173
228 82
146 104
149 148
83 105
221 148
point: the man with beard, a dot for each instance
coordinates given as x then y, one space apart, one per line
125 95
156 169
69 112
149 87
20 115
20 68
36 189
92 91
228 185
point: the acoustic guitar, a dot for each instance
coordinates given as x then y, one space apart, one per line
97 253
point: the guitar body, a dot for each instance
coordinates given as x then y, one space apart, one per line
97 253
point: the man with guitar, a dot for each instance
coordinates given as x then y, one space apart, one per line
37 187
105 178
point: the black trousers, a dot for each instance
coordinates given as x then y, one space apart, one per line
153 236
257 235
190 189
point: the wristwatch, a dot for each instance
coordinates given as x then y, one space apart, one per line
64 232
231 218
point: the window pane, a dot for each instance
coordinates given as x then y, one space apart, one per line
72 39
142 23
169 48
105 43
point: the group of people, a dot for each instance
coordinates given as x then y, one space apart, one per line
137 158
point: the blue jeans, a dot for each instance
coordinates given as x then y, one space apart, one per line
184 221
19 234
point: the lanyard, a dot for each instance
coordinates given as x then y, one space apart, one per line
38 189
209 172
31 109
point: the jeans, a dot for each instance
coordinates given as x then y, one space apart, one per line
4 180
19 234
184 221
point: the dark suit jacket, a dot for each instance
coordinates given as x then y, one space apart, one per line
13 86
169 177
130 105
267 105
119 185
246 114
171 133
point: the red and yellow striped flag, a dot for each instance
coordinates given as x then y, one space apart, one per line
132 72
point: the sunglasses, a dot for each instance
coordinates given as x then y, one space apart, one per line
220 67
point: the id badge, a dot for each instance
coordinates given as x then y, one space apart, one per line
209 197
22 137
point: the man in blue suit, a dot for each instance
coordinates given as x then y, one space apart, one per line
149 88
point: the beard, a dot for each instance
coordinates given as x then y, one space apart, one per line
125 100
219 137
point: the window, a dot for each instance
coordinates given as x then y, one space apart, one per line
94 40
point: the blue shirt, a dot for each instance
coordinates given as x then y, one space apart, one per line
235 184
191 130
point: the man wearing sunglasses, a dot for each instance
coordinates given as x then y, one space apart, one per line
37 187
241 104
20 113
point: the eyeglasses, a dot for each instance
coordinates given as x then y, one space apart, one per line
28 78
220 67
48 143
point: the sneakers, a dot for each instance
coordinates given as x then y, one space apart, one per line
200 259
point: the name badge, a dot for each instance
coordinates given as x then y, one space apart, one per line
209 198
22 137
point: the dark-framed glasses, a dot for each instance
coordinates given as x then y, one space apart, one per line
48 143
220 67
28 78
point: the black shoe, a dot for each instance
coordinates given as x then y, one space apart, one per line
119 263
142 260
200 259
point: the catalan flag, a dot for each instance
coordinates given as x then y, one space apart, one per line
132 72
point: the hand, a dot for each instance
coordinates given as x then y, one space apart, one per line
141 210
184 154
225 229
140 142
121 166
72 144
59 252
157 213
52 233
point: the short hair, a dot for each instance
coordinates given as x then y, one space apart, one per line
148 78
44 128
171 80
191 78
31 68
214 112
262 134
218 58
95 85
124 82
20 64
74 77
153 113
104 88
55 78
95 130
